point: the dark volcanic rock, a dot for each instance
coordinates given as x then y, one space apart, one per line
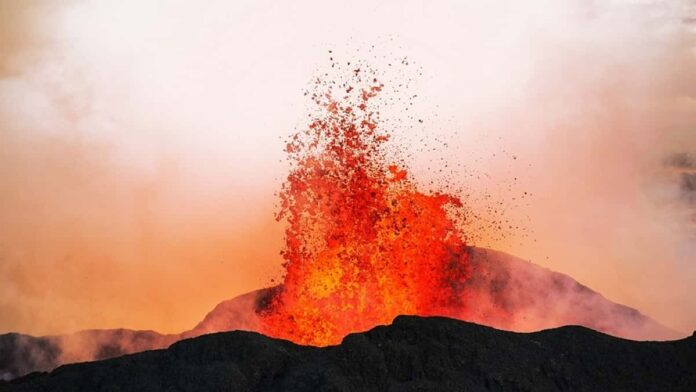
532 298
412 354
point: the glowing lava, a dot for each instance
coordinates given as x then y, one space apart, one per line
363 245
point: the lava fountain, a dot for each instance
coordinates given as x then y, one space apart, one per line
363 244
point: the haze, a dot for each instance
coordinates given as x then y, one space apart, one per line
141 143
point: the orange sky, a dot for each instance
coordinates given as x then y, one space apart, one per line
141 145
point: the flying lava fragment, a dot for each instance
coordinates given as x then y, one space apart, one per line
363 244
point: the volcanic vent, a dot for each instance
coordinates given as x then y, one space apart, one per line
363 245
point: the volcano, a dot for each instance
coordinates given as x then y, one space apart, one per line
411 354
533 297
364 244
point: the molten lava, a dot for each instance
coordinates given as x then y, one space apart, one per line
363 245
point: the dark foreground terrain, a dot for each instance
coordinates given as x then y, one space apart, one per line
412 354
531 298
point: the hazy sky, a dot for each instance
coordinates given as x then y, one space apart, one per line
141 142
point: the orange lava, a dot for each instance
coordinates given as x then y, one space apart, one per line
363 245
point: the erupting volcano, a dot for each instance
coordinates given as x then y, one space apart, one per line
348 196
363 244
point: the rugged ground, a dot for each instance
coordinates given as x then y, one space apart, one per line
531 296
412 354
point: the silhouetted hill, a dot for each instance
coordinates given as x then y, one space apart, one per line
412 354
531 297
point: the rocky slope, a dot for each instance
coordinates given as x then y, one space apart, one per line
412 354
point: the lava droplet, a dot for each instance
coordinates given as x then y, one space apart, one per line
363 245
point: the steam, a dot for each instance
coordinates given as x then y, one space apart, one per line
102 218
611 97
134 140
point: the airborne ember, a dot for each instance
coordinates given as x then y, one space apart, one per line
363 244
